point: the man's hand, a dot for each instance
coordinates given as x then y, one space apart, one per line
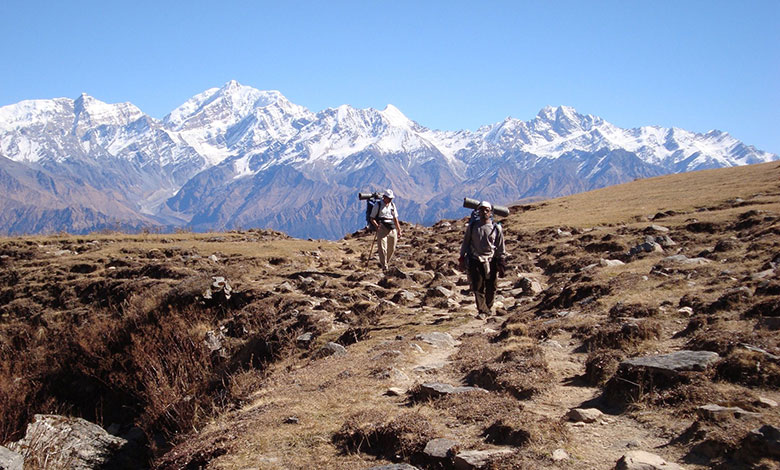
501 267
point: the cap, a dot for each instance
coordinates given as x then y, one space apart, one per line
389 193
485 204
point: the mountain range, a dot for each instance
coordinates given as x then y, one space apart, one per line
237 157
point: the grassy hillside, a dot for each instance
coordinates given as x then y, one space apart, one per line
120 329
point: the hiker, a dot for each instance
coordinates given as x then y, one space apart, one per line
384 217
483 257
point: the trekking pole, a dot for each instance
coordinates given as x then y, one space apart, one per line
371 248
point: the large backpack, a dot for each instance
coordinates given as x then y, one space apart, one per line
370 203
474 219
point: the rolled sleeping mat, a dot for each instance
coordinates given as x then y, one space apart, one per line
364 196
473 204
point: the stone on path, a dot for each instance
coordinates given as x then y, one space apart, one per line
476 459
586 415
437 339
436 390
641 460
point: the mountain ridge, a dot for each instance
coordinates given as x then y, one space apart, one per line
225 137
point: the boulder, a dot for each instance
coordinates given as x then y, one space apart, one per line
72 443
674 362
476 459
440 449
641 460
718 413
332 349
10 460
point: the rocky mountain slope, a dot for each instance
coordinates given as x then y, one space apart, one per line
637 319
237 157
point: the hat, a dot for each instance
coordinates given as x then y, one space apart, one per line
485 204
389 194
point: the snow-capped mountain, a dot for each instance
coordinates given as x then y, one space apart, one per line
239 157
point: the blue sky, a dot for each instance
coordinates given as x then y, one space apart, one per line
699 65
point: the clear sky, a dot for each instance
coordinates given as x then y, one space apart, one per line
698 65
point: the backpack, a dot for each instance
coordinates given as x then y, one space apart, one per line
370 203
474 219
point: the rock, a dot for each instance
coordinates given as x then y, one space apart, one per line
530 286
682 259
79 444
611 262
764 402
403 297
437 339
763 274
765 441
285 287
476 459
674 362
218 285
559 455
304 340
646 247
440 449
718 413
587 415
641 460
688 311
439 291
332 349
436 390
658 228
394 466
664 241
214 340
395 392
10 460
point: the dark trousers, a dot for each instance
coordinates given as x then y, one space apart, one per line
484 287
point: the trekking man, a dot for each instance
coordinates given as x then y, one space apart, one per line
483 256
385 218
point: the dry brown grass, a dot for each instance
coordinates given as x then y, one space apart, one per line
124 316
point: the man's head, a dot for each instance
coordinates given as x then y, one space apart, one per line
484 208
388 195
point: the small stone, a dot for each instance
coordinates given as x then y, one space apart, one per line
559 455
641 460
395 392
586 415
764 402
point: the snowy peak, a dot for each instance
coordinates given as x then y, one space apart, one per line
396 118
227 105
90 111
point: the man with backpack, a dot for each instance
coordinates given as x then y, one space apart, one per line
384 217
483 257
